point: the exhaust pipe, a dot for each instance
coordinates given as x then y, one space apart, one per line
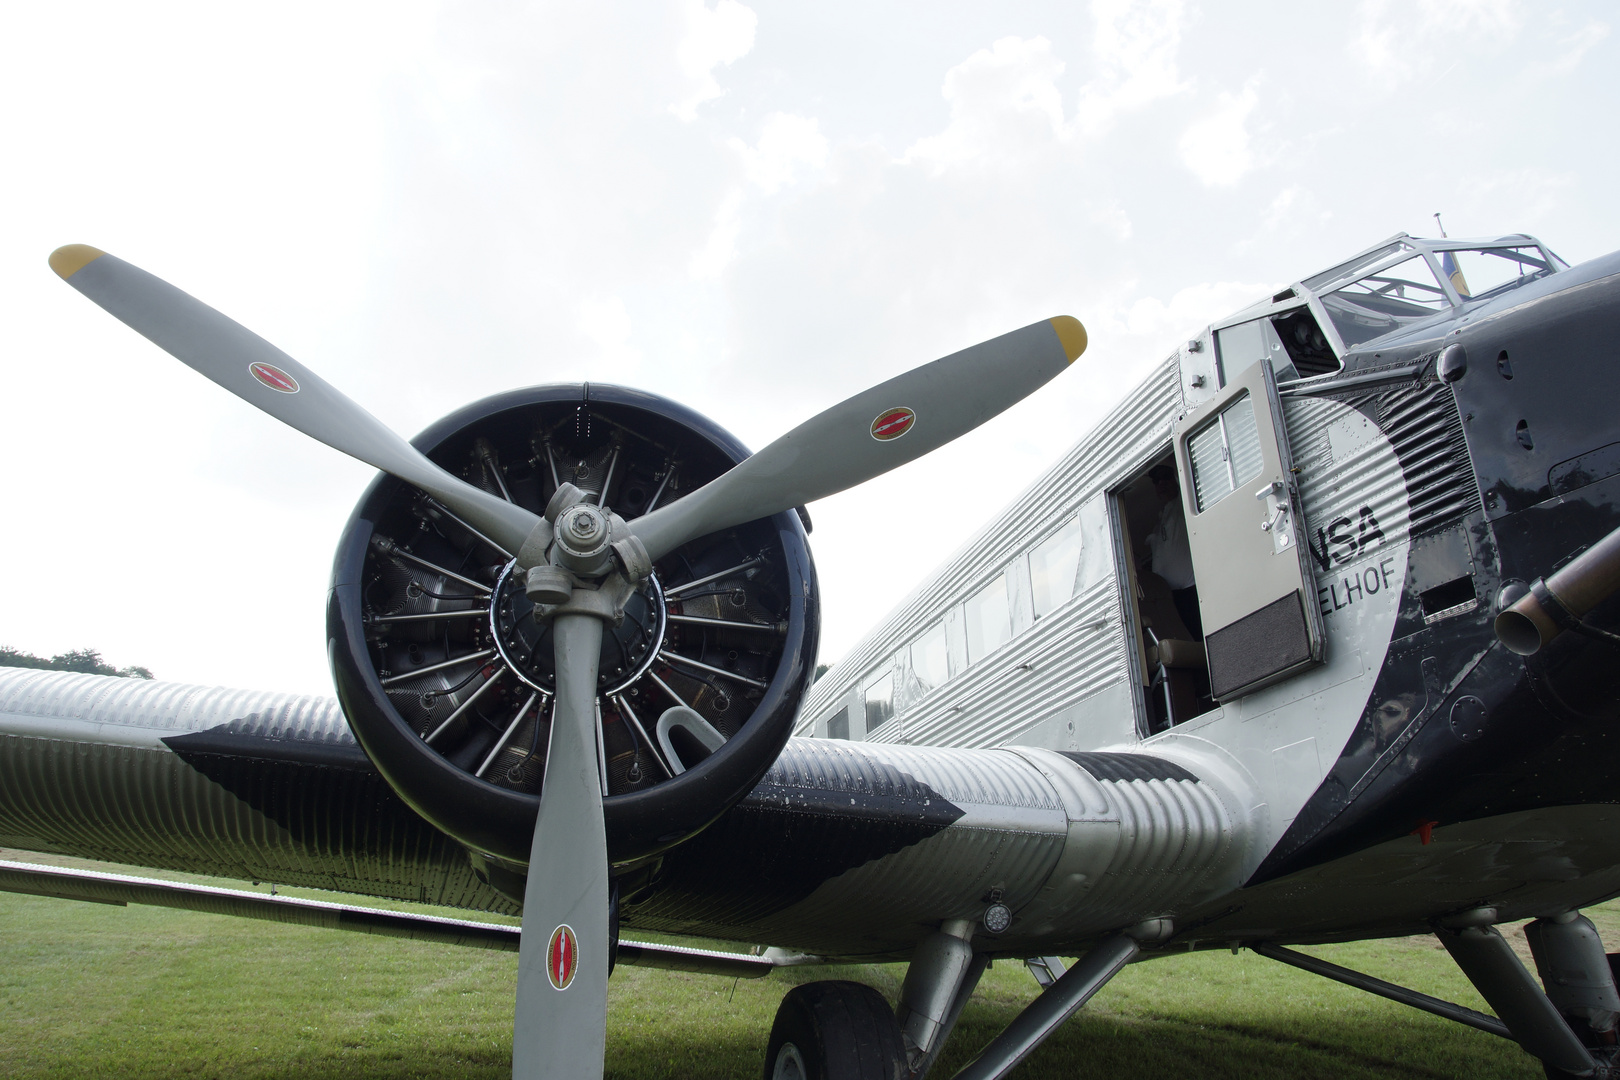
1558 603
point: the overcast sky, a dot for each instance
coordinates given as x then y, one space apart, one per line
754 209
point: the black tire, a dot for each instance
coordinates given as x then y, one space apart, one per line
835 1031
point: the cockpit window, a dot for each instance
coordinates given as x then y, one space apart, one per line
1241 345
1488 271
1350 269
1384 301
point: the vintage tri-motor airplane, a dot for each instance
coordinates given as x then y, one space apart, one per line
1310 640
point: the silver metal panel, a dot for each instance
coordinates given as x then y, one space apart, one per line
989 702
1073 856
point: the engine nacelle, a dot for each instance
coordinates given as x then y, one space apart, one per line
446 677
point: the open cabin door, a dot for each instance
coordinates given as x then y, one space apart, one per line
1244 529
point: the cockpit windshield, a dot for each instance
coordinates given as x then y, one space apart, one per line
1489 271
1374 305
1306 330
1317 282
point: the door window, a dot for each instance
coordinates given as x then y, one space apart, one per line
1225 453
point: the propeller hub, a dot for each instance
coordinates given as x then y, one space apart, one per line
582 525
582 537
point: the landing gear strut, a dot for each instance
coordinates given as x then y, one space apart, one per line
1570 1024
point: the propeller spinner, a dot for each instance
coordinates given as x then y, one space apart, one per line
581 564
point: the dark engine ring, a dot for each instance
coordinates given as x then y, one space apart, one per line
391 623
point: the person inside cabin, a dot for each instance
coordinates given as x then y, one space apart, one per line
1171 557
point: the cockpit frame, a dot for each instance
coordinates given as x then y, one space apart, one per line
1309 294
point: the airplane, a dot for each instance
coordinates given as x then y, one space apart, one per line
1307 641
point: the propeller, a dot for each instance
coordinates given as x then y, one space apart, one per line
263 376
561 1016
876 430
561 1021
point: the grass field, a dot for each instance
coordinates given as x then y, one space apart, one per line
88 990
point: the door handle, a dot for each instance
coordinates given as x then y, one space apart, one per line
1275 496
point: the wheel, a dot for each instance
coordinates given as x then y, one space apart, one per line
835 1031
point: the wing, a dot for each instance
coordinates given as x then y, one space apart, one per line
844 849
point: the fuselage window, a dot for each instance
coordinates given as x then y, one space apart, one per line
879 696
1384 301
1225 453
838 724
930 660
1096 556
1054 568
988 619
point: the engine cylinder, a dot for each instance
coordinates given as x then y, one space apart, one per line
445 672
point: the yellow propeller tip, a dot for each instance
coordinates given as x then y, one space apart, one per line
72 258
1071 335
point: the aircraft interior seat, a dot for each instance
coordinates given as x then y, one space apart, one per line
1159 610
1177 675
1176 653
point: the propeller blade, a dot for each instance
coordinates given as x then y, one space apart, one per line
263 376
560 1029
872 432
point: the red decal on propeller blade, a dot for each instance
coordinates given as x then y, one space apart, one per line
562 957
892 423
274 378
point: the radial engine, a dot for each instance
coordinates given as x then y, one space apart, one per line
447 677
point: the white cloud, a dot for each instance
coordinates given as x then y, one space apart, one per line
1403 40
717 252
604 321
723 34
788 146
1533 193
1188 310
1135 42
1112 217
1292 212
1572 50
1217 148
1003 99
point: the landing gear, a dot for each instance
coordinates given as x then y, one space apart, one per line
1569 1020
835 1030
1580 981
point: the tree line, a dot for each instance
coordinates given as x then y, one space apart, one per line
88 661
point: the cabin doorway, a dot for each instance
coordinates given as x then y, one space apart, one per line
1162 588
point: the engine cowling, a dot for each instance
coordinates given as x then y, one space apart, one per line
445 674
